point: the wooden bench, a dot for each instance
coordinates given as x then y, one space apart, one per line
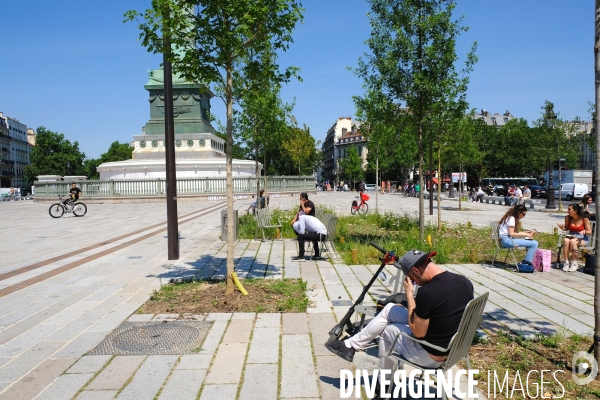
264 220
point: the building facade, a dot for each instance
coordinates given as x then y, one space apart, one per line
496 119
15 151
352 138
330 155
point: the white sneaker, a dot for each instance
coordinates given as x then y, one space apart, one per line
566 266
574 265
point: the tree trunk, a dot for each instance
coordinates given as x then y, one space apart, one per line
439 189
376 183
421 196
257 171
229 155
597 132
430 176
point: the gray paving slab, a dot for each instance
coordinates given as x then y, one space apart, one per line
268 320
77 325
114 376
213 337
298 376
264 347
140 317
218 316
260 382
243 316
97 395
328 372
149 378
36 380
320 325
183 384
295 323
19 366
27 339
194 361
221 392
228 364
88 364
238 331
166 317
65 387
80 345
318 301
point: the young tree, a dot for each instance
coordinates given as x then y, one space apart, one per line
213 39
412 55
352 167
299 146
53 155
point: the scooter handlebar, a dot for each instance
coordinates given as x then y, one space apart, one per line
378 247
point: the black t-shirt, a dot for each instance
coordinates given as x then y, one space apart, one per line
311 205
443 301
75 192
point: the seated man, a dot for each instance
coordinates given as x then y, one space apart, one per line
526 195
433 316
309 228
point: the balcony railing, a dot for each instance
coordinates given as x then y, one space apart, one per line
157 187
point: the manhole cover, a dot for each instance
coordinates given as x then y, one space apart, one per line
176 337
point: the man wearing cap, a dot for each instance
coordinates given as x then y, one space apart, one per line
433 316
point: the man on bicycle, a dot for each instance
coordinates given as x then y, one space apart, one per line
74 194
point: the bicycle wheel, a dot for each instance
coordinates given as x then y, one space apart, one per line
363 209
79 209
56 210
353 210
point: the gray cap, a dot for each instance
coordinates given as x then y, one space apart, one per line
414 258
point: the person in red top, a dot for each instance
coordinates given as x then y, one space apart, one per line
578 227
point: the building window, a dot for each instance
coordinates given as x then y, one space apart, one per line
360 151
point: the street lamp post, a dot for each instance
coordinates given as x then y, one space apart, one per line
550 190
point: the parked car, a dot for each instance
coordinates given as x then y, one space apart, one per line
371 187
570 191
537 191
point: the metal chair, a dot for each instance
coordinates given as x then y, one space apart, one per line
459 345
498 241
331 223
263 221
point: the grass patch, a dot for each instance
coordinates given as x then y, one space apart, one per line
504 352
198 297
400 232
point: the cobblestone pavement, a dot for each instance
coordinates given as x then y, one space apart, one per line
65 284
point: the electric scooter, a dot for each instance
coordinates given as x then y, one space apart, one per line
389 258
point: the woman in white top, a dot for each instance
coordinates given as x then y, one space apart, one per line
510 231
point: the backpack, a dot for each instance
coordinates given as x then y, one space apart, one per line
525 267
590 264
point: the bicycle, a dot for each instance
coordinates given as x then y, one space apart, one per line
361 208
58 209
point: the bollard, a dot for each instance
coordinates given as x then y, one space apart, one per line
354 256
473 257
429 240
531 204
555 231
469 224
277 233
342 239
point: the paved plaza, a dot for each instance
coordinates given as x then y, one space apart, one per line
66 284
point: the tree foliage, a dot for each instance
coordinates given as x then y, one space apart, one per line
116 152
411 61
351 166
54 155
219 43
300 147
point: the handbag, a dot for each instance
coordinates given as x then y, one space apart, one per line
542 260
525 267
590 264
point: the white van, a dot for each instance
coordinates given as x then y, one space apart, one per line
570 191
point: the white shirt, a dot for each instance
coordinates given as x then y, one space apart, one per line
518 192
503 230
309 224
527 193
480 192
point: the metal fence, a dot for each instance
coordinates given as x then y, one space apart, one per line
157 187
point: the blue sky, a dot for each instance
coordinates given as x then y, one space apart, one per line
75 68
